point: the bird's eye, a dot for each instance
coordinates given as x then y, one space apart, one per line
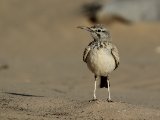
99 30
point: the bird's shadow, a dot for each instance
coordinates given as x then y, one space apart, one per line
22 94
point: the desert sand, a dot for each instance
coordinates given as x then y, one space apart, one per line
43 77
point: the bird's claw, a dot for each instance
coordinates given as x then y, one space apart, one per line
94 99
109 100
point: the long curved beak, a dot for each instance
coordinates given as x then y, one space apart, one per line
85 28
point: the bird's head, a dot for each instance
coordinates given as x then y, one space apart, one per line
98 32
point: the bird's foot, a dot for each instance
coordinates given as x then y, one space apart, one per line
109 100
94 99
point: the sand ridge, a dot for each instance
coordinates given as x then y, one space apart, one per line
21 107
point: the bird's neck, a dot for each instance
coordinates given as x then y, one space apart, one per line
102 40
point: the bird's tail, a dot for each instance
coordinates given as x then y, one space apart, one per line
103 82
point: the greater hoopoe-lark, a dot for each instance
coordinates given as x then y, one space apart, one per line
101 56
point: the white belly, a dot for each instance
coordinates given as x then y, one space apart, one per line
100 62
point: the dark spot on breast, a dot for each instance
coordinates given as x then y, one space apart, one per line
99 35
99 30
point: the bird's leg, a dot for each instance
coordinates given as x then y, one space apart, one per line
95 86
109 95
94 92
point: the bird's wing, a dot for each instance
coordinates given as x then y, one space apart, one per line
85 53
115 54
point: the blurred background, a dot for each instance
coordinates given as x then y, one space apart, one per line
41 49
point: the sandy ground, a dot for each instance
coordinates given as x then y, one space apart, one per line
42 76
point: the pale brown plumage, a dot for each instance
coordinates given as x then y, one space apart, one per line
114 51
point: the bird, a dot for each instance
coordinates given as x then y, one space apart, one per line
101 56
